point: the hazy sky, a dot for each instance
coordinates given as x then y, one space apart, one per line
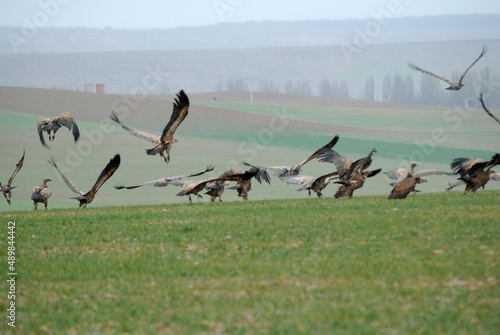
175 13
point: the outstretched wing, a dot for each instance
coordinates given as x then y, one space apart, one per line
108 171
179 113
72 186
18 167
483 52
67 120
259 173
40 125
432 172
397 174
341 161
373 173
145 136
486 109
415 67
298 179
463 165
318 152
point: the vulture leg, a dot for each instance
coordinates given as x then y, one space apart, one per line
36 204
54 134
45 203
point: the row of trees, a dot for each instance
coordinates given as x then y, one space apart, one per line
393 88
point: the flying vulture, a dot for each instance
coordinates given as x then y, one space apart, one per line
216 188
486 109
164 142
53 125
41 193
7 189
316 184
454 85
245 184
295 169
164 181
398 175
405 187
352 175
87 197
347 187
474 172
191 187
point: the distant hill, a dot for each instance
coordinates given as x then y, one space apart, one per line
263 34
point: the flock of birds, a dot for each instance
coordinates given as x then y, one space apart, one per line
350 175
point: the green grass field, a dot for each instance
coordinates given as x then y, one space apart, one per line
424 265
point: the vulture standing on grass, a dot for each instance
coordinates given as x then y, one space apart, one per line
164 142
244 185
41 193
162 182
53 125
474 172
87 197
316 184
405 187
7 189
454 85
295 169
398 175
486 109
352 175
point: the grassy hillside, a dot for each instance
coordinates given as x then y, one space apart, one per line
276 129
425 265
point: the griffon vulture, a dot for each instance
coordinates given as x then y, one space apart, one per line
53 125
295 169
245 184
347 187
474 172
405 187
7 189
401 174
87 197
41 193
164 181
316 184
164 142
454 85
216 189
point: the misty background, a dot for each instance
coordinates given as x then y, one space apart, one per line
359 50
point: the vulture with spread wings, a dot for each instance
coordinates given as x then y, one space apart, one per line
244 185
41 193
162 182
316 184
7 189
86 198
454 85
352 175
216 189
295 169
474 172
53 125
164 142
398 175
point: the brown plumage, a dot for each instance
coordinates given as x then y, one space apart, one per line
86 198
347 187
7 188
346 168
454 85
486 109
295 169
52 126
191 187
401 174
405 187
474 172
41 193
216 189
316 184
244 185
164 142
